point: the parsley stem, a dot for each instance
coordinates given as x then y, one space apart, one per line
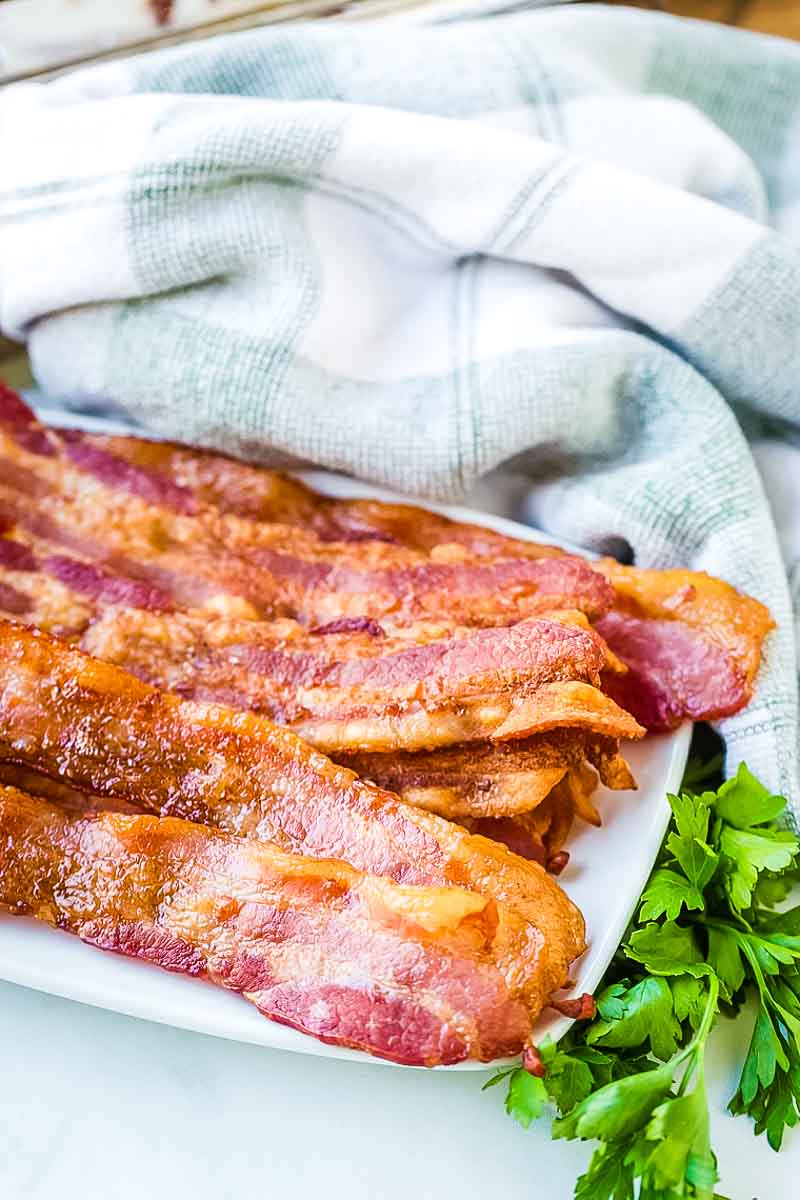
695 1048
710 1010
706 1021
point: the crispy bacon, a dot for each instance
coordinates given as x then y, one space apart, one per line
320 582
105 733
15 602
117 473
557 863
77 578
349 692
533 1063
471 781
60 793
351 625
17 418
104 586
419 975
692 644
582 1008
17 556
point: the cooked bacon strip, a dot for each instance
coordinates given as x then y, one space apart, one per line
56 599
423 976
491 780
117 473
110 735
273 498
692 644
65 494
351 625
351 691
15 602
466 782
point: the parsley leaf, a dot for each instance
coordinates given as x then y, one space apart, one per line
683 1153
638 1014
688 843
568 1081
609 1176
526 1096
688 1000
744 801
667 894
691 815
666 1133
749 852
667 949
773 887
725 959
498 1078
616 1108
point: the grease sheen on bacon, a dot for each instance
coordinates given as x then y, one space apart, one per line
418 975
103 732
200 530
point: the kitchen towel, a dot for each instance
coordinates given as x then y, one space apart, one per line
558 245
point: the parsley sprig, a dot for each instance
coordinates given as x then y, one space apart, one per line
708 933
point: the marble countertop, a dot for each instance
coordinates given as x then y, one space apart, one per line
96 1106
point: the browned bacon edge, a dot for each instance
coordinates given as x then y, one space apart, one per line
105 733
417 975
692 644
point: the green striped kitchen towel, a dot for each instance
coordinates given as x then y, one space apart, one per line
560 246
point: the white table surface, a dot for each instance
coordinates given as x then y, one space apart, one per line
96 1106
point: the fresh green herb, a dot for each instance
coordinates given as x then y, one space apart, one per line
707 934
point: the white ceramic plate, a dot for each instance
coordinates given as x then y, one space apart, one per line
607 870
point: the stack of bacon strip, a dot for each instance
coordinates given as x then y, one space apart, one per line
479 724
207 616
429 946
370 650
691 642
475 674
